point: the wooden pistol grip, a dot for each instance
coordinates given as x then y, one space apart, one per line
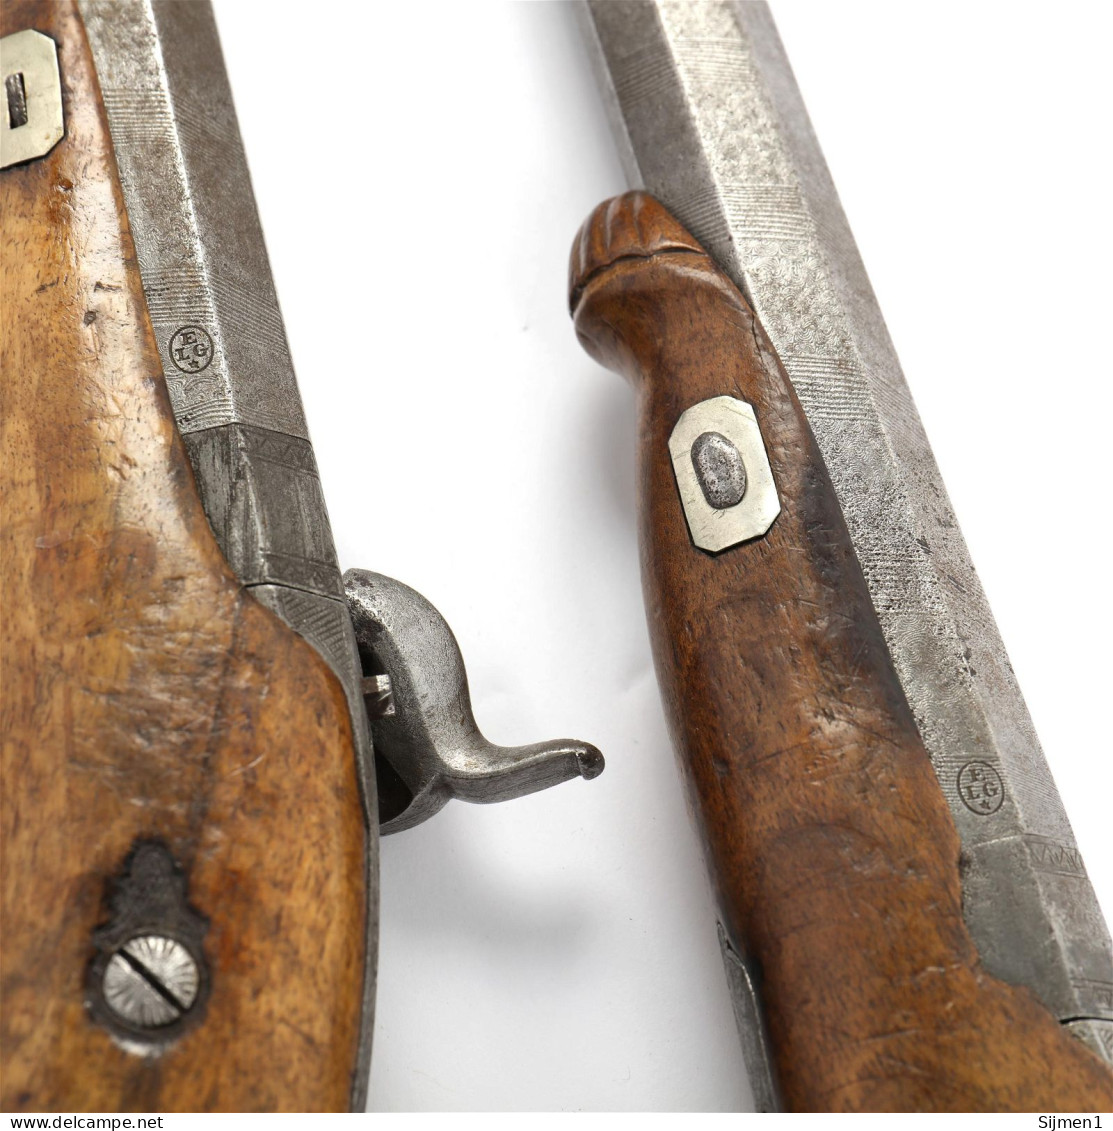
146 696
831 847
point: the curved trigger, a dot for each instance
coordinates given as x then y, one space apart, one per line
428 747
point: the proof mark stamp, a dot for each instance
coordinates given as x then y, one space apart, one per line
981 788
191 349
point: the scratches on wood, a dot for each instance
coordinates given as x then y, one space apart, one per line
146 694
830 843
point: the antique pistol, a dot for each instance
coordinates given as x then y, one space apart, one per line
314 909
905 920
191 805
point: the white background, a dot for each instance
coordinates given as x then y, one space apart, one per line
420 171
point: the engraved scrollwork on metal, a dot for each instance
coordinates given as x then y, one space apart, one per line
721 136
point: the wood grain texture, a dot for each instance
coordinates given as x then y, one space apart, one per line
834 855
146 694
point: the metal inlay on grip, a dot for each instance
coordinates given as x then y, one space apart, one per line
721 136
723 474
31 123
719 469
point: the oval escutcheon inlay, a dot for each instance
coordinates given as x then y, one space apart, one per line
719 469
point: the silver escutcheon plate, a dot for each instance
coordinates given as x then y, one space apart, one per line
32 122
723 473
710 121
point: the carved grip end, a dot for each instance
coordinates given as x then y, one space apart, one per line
634 225
829 841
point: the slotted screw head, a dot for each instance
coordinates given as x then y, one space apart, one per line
151 981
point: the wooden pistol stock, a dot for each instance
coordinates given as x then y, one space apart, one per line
156 717
191 800
834 855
